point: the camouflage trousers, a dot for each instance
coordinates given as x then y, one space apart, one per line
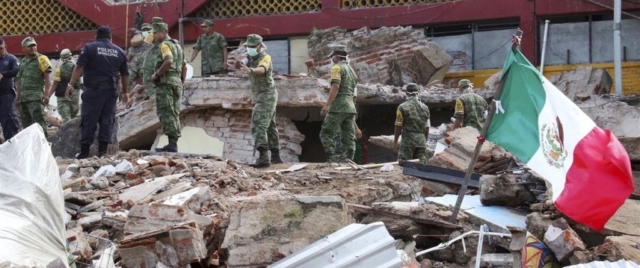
168 100
338 124
409 153
133 76
68 107
32 112
264 129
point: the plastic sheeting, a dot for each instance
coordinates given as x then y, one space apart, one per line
32 231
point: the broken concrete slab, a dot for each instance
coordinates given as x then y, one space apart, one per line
583 81
175 247
192 199
563 240
66 141
153 217
505 190
462 142
537 224
609 113
406 219
620 248
79 198
272 225
387 55
149 188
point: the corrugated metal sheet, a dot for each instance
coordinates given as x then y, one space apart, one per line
606 264
354 246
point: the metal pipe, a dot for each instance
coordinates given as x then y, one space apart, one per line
461 237
181 31
544 45
617 55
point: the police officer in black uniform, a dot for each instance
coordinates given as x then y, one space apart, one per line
102 62
8 70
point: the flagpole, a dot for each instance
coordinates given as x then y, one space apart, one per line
483 133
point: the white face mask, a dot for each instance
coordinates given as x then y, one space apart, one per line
252 51
145 34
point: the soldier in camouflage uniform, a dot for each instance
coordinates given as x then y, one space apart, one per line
340 110
149 61
214 50
168 79
470 107
412 121
33 78
135 56
67 101
265 98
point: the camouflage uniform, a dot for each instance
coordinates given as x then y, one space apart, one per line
470 107
149 61
67 106
263 117
413 117
341 115
135 66
31 77
169 86
212 49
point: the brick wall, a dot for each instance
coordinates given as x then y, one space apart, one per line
389 55
234 129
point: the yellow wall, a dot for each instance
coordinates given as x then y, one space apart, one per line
630 75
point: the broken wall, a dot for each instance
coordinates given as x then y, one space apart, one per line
233 128
388 55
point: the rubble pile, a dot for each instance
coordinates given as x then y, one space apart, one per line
180 209
387 55
462 143
568 242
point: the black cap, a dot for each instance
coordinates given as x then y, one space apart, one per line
104 32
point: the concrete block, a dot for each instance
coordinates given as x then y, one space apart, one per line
277 224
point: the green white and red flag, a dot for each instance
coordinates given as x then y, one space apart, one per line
588 168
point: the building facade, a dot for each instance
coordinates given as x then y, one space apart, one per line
475 32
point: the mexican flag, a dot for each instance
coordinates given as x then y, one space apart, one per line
587 167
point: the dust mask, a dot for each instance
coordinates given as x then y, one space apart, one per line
252 51
145 34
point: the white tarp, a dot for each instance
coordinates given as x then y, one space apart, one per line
32 231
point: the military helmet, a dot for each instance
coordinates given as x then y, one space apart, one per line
253 40
340 50
464 83
65 53
412 88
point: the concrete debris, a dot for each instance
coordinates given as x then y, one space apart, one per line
65 142
585 87
620 248
264 229
462 142
511 190
563 240
407 219
387 55
186 212
538 223
386 142
175 247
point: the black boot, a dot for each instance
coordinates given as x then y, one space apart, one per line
84 152
263 160
102 148
172 147
275 157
